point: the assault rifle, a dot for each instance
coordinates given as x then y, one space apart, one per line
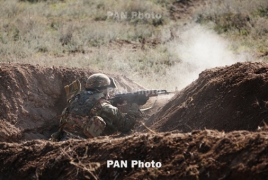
139 97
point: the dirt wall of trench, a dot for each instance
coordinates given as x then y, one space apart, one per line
224 98
31 98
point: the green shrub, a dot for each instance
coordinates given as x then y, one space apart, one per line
263 12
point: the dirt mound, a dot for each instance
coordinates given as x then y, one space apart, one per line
226 98
203 154
222 98
31 96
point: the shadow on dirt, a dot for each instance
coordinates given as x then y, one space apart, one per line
224 99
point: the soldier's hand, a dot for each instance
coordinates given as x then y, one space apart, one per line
123 107
135 110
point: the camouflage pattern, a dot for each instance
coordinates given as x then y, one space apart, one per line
94 127
83 102
115 120
97 80
123 107
91 115
84 127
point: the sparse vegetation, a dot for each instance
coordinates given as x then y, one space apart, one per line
48 32
105 35
243 22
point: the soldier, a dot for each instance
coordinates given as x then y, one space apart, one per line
89 113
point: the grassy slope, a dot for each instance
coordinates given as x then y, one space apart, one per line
83 34
244 22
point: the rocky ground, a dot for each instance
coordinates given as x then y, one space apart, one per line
215 128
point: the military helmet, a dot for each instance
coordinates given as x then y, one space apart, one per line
99 81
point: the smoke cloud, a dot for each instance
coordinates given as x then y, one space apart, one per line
200 49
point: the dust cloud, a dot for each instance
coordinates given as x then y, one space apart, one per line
199 49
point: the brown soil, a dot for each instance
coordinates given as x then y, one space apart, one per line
204 154
227 98
32 97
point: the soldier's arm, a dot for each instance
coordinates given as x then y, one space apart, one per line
116 118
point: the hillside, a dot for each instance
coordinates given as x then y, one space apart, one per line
213 53
26 152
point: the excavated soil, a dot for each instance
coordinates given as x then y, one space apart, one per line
32 97
221 117
203 154
226 98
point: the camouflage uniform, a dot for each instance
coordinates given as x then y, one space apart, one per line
102 117
89 114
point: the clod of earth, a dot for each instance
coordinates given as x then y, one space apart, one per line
230 100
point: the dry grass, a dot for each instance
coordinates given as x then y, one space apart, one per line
244 22
83 34
90 167
80 34
59 27
136 64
